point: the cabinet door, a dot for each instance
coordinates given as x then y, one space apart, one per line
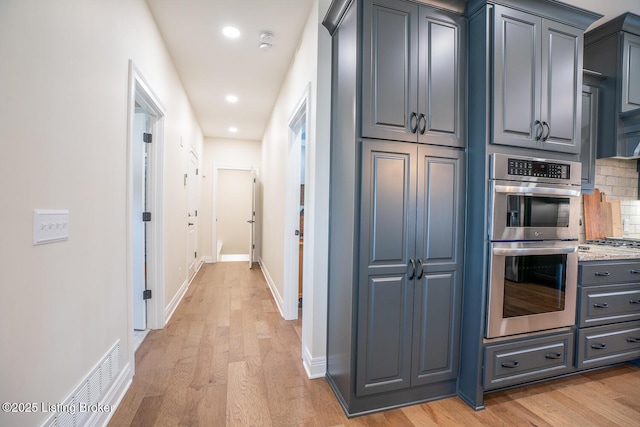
561 87
439 246
389 70
589 136
630 72
387 241
516 78
441 78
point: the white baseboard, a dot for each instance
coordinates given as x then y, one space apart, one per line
113 397
272 286
315 367
207 260
168 311
234 257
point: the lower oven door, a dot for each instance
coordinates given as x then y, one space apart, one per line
533 287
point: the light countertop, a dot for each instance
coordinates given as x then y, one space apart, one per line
599 253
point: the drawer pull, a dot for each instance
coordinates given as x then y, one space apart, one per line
634 301
603 273
635 340
600 346
553 355
511 365
603 305
635 271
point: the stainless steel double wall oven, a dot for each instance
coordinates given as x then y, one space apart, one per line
533 232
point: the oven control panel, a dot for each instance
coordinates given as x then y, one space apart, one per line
538 169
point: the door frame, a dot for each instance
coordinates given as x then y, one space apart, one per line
139 90
300 114
193 189
214 208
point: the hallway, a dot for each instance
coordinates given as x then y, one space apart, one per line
227 358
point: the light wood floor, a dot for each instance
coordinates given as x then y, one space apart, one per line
227 358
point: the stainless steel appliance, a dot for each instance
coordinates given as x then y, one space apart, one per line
534 199
533 258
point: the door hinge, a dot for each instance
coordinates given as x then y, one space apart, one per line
253 246
197 171
146 294
146 216
195 254
147 137
196 212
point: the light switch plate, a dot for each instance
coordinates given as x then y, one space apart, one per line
50 225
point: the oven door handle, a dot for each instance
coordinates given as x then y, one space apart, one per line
534 251
542 191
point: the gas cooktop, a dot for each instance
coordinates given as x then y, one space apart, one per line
617 242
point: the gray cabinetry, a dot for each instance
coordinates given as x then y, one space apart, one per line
537 77
613 49
589 133
413 82
608 313
527 360
410 257
397 206
630 72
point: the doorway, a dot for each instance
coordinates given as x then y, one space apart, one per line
294 254
191 182
145 279
235 214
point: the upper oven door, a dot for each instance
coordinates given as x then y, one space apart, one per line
534 211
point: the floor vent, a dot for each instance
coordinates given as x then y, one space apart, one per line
77 409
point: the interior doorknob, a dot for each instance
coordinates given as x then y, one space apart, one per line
251 221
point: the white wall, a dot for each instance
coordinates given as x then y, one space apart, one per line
229 153
305 71
63 135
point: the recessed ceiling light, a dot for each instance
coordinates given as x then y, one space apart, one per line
233 129
231 32
232 98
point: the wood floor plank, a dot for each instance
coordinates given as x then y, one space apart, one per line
246 398
227 358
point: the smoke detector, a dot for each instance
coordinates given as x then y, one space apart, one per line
266 40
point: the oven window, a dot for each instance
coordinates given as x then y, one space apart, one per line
534 284
532 211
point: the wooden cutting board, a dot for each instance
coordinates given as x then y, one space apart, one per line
592 217
605 216
616 218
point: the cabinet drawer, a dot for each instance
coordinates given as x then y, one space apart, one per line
600 305
608 273
603 345
527 360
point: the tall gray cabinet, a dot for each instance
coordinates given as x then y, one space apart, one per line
397 203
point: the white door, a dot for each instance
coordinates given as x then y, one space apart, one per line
139 232
192 215
252 220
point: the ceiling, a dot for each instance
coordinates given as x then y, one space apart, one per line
212 66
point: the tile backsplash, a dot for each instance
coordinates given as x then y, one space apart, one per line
618 179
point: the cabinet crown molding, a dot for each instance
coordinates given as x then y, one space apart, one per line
627 22
551 9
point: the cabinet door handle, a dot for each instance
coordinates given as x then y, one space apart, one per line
421 270
422 123
538 126
413 268
635 271
599 346
633 340
413 122
512 364
545 137
603 305
603 273
553 355
634 301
